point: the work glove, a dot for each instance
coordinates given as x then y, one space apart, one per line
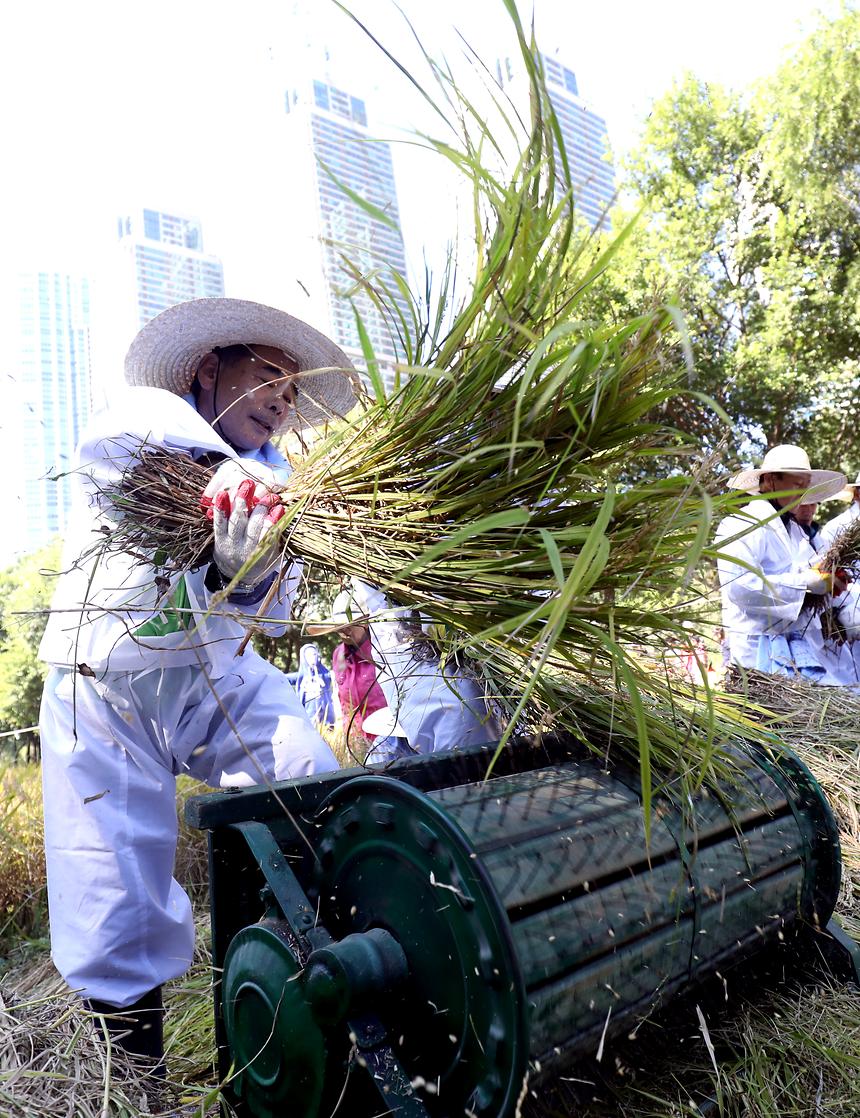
230 475
395 626
826 582
368 600
241 525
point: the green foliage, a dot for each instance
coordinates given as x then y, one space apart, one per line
23 908
25 595
313 601
752 219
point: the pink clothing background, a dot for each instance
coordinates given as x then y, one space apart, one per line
359 693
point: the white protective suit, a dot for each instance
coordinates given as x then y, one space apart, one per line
151 697
833 527
437 709
848 605
766 624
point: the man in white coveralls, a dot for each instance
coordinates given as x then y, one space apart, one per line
144 682
844 520
767 567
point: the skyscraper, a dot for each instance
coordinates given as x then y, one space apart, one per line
47 386
585 138
165 262
344 248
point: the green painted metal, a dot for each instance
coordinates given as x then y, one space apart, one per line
279 1050
359 969
284 979
819 831
471 931
390 858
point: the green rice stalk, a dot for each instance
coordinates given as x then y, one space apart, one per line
520 487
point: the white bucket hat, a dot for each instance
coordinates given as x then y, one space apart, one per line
167 351
344 611
791 460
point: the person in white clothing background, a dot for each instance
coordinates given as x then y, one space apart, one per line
847 607
767 568
144 681
839 523
431 706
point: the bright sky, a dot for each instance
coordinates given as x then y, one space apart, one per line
178 104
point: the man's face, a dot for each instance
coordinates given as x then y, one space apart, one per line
805 514
248 398
782 482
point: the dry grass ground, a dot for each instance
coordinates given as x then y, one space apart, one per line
792 1053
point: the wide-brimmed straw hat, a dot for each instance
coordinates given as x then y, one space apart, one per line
850 490
168 350
382 723
789 459
344 612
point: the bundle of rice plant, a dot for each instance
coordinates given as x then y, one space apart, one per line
519 485
844 552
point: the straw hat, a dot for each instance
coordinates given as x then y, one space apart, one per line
344 612
382 723
167 351
791 460
850 490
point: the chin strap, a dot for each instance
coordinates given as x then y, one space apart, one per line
216 422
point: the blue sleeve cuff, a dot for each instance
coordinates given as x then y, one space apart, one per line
255 595
215 582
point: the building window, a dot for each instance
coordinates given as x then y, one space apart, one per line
321 95
570 82
151 225
359 113
552 70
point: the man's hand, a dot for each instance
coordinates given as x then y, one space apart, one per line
241 525
827 582
231 474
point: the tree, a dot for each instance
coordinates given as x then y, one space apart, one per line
313 601
751 218
25 596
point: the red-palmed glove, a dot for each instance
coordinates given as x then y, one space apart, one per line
241 526
230 475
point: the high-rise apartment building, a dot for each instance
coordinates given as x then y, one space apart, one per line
47 388
165 262
344 248
585 139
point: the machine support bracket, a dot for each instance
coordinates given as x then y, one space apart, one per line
374 957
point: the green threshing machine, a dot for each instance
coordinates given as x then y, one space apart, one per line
423 940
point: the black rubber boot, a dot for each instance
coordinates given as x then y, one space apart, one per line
138 1029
